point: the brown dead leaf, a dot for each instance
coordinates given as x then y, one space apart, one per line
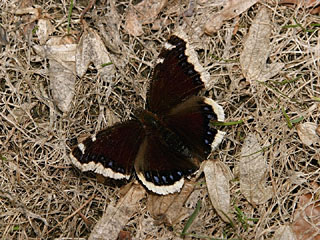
3 36
109 29
21 114
306 223
308 133
253 167
318 130
124 235
45 28
169 208
133 25
231 9
257 48
303 3
116 217
217 176
144 12
284 233
61 55
91 49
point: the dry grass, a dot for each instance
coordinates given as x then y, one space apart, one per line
40 190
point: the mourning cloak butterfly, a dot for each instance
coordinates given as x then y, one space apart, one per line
167 140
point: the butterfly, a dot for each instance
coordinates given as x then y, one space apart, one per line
167 140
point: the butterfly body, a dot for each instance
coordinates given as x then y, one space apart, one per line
170 138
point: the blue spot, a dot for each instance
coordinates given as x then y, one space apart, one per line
110 164
209 116
180 49
183 64
181 55
190 72
120 170
206 141
148 176
164 179
171 177
179 173
156 179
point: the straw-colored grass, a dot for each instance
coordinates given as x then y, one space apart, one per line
40 189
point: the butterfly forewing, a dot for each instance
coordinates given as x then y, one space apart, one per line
112 151
175 77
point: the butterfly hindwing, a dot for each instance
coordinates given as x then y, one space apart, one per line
160 168
112 151
191 121
177 76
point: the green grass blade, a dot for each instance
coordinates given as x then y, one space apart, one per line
191 219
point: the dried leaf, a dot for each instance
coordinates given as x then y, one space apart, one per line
284 233
148 10
144 12
21 114
253 167
169 208
61 55
304 3
45 28
116 217
92 50
133 25
3 36
307 218
217 176
253 58
308 133
109 29
231 9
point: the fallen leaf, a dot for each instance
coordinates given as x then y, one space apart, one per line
306 223
124 235
133 25
253 167
45 28
144 12
61 54
116 217
91 49
304 3
148 10
284 233
109 29
28 18
191 8
170 208
308 133
257 48
231 9
217 176
21 114
3 36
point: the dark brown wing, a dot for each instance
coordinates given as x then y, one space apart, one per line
176 77
190 120
112 151
161 169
